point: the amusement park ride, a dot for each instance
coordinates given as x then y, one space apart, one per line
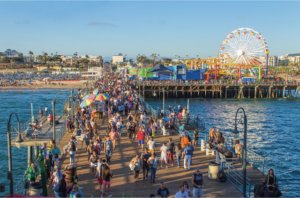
243 51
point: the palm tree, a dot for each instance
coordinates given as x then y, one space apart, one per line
56 53
75 56
31 54
86 56
52 54
100 58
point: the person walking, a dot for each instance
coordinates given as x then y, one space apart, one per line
151 145
108 149
93 161
163 156
181 193
76 192
56 153
62 187
178 151
187 152
113 136
162 192
137 162
144 159
141 138
72 152
100 112
171 149
197 180
153 164
107 175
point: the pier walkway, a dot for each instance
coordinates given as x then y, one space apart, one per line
123 181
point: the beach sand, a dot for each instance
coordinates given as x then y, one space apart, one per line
52 85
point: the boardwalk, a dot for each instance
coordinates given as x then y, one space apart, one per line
123 181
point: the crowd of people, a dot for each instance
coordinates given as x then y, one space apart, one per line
125 116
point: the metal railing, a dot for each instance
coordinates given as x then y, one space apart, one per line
19 188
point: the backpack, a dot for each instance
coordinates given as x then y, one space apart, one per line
221 176
189 151
108 145
34 169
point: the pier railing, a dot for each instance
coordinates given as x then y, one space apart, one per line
221 83
19 187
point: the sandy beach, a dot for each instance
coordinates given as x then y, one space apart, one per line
40 85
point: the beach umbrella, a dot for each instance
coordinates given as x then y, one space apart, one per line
102 97
87 101
87 96
96 91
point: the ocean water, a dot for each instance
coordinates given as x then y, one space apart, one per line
273 127
20 103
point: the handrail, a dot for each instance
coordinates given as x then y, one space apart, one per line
19 188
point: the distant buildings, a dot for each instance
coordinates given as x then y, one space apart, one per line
273 61
118 59
11 53
293 58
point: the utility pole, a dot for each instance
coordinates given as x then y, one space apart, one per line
163 101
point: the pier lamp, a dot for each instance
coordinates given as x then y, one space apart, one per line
235 134
18 143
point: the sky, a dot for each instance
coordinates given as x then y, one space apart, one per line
167 28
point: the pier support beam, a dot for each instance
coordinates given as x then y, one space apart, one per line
29 155
283 92
36 151
226 92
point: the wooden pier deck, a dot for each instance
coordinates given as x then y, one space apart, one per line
123 181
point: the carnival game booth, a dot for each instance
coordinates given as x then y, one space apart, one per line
161 72
146 73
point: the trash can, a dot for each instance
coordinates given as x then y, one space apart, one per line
36 189
213 169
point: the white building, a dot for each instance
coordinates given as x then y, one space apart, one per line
294 58
117 58
11 53
273 61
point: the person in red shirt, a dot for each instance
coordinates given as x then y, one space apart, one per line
141 137
51 119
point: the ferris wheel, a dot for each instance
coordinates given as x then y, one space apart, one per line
244 46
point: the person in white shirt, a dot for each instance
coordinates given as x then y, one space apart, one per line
151 145
178 108
163 156
181 193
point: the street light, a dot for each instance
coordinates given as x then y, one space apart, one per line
18 143
235 134
53 109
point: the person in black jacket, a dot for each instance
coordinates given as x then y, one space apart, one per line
259 189
62 191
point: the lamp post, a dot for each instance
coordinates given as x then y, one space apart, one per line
53 109
18 142
235 134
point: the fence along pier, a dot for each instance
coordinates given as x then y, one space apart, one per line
268 90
